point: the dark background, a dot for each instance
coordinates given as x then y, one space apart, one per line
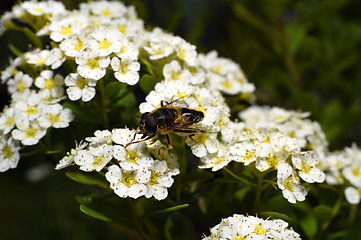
301 55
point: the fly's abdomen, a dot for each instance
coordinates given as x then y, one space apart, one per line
190 116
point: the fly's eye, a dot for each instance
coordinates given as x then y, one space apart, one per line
150 124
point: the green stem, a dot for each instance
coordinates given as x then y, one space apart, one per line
258 203
238 178
104 108
352 214
335 210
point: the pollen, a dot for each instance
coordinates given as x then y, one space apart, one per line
105 44
259 229
289 184
153 178
132 156
123 68
7 153
31 110
31 132
9 122
81 83
66 30
79 45
53 118
356 172
21 86
106 13
49 83
227 84
98 160
128 180
93 63
122 29
40 61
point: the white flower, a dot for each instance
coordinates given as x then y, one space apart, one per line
134 157
94 158
9 153
55 58
250 227
128 183
104 41
173 71
80 87
186 52
289 183
69 158
63 28
306 163
45 7
101 137
29 134
74 44
51 85
105 9
11 69
37 57
127 50
216 160
203 143
29 109
91 65
7 121
161 152
56 116
20 83
244 151
353 195
160 179
126 71
353 174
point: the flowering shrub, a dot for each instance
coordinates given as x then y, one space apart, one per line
98 65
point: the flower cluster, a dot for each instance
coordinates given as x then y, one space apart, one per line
250 227
344 168
141 169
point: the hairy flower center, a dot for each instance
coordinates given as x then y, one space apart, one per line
219 160
238 238
227 84
78 46
21 86
9 122
49 83
249 156
182 54
289 184
273 161
40 61
53 118
128 180
31 110
259 230
153 178
98 160
123 68
31 132
123 49
201 138
106 13
122 29
305 168
105 44
356 172
93 63
7 152
81 83
66 30
132 156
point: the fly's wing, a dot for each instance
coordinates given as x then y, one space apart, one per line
196 128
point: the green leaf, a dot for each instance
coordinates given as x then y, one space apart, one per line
113 88
147 83
96 212
167 210
241 194
309 224
32 37
83 113
323 213
296 34
88 178
16 51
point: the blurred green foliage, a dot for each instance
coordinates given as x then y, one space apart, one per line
300 54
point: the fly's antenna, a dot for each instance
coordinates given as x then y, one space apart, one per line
132 141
